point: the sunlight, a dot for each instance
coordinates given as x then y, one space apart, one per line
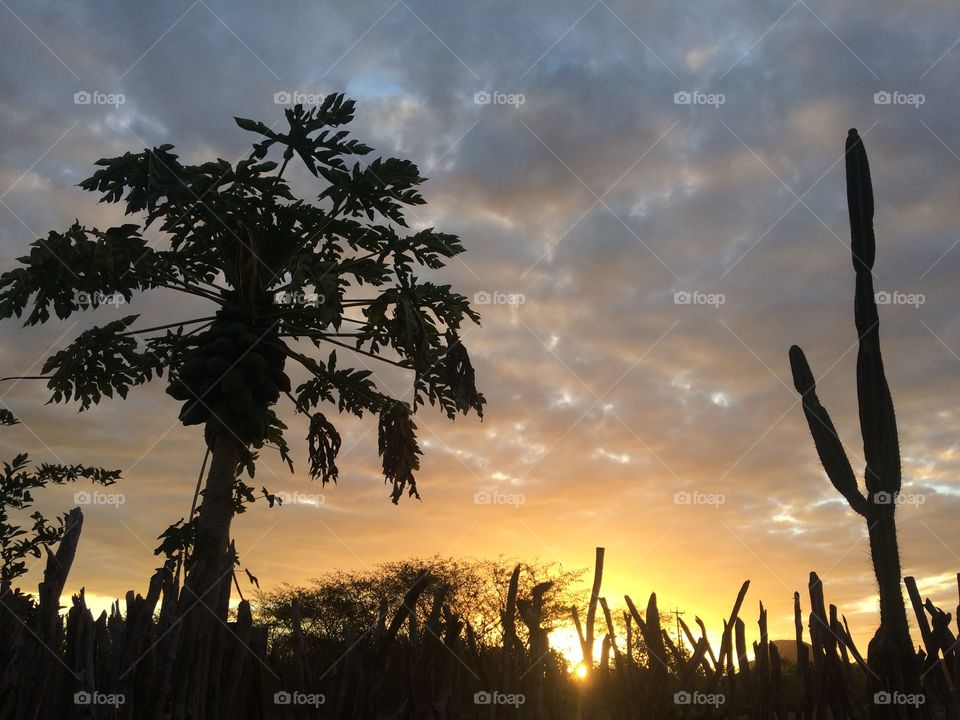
564 640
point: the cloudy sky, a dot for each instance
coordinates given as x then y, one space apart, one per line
602 161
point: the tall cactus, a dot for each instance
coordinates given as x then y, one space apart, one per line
891 654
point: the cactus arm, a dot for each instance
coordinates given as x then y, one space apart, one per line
859 203
878 422
825 437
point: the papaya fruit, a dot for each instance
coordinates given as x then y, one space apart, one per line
241 402
221 409
217 366
178 390
247 339
194 413
266 391
253 362
224 346
279 378
193 368
232 382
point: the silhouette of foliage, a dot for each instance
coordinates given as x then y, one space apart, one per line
281 272
341 602
243 223
17 486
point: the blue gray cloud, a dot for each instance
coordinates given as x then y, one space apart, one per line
596 197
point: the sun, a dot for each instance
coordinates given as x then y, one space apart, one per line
580 671
564 640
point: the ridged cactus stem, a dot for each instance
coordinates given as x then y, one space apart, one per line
891 651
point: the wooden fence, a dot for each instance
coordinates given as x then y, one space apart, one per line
130 663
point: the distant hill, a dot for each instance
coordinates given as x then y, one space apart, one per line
788 650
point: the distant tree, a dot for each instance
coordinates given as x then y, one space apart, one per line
17 486
343 602
275 270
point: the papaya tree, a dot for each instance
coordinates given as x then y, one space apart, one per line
277 280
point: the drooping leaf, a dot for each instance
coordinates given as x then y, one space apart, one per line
324 444
101 361
399 450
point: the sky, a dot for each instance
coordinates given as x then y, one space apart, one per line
652 200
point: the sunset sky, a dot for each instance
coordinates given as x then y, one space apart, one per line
597 159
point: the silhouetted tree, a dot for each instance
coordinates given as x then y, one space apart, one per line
18 484
340 602
891 654
276 270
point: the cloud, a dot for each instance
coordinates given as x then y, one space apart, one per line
597 199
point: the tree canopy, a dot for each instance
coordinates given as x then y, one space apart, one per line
282 273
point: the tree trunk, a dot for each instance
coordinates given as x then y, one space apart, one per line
210 568
886 564
206 590
890 654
